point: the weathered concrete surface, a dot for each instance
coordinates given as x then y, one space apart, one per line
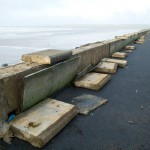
119 55
121 63
106 67
139 42
93 81
142 37
119 45
131 38
3 103
135 36
41 123
116 44
128 35
112 45
128 51
121 37
39 85
130 47
87 103
11 82
91 55
128 40
47 56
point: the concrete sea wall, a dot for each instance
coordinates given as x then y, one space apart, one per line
41 84
24 85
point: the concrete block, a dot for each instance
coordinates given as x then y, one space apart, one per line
106 67
11 82
128 35
3 103
91 55
139 42
39 85
121 37
124 43
99 53
142 37
93 81
130 47
85 59
41 123
128 40
119 55
47 56
87 103
135 36
121 63
119 45
112 45
128 51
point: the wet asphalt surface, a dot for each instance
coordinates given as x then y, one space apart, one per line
122 124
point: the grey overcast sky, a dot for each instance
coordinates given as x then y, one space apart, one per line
52 12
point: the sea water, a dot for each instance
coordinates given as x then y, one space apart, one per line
16 41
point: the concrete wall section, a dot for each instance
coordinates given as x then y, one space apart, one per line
100 52
119 45
125 42
91 55
3 111
85 59
39 85
11 81
112 45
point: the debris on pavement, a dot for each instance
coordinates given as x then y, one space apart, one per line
87 103
5 133
11 117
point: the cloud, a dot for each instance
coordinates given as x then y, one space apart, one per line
45 12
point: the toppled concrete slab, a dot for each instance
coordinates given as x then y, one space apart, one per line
42 84
106 67
87 103
47 56
90 55
128 35
121 63
139 41
142 37
130 47
121 37
41 123
93 81
128 51
119 55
